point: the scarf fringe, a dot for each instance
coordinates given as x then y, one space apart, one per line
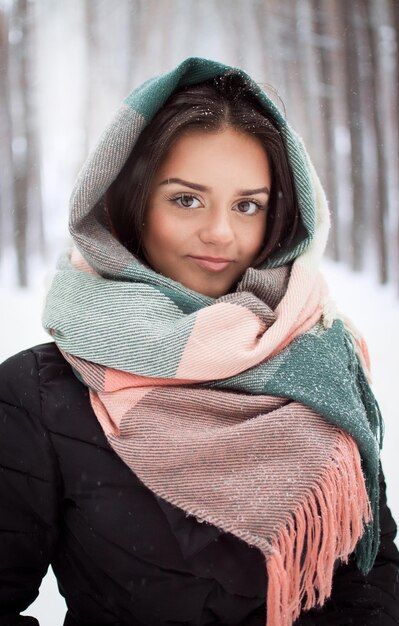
324 529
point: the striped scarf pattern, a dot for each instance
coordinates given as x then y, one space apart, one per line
251 412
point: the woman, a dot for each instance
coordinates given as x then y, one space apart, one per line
199 374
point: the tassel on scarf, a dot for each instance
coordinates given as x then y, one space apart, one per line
324 529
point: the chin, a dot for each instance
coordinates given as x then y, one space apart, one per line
215 292
205 289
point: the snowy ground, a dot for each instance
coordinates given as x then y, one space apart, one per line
375 311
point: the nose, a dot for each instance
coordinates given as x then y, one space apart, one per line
217 228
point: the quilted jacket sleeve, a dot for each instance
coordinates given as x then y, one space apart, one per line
28 490
358 600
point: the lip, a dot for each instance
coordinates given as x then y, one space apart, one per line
211 264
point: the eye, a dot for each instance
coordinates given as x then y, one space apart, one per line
186 201
249 207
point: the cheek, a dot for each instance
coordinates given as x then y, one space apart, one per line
253 239
161 233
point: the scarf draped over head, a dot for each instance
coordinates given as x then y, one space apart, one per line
251 412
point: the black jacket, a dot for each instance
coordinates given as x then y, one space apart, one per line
122 556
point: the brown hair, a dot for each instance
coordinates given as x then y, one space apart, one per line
221 102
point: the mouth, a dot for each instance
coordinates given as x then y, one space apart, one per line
211 264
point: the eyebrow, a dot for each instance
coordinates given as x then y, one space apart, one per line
197 187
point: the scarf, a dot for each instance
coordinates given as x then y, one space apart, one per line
252 411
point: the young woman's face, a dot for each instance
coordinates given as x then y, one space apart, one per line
206 217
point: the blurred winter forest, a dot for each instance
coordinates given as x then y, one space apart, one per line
65 66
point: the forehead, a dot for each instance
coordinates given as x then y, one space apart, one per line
212 154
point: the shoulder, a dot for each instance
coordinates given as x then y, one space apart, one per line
35 357
30 479
42 406
22 375
25 445
41 383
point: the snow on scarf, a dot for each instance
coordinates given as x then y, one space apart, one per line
251 412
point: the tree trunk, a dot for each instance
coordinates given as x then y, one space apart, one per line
35 226
325 44
354 124
6 169
19 86
381 209
395 16
311 79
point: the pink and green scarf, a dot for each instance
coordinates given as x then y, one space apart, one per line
251 412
